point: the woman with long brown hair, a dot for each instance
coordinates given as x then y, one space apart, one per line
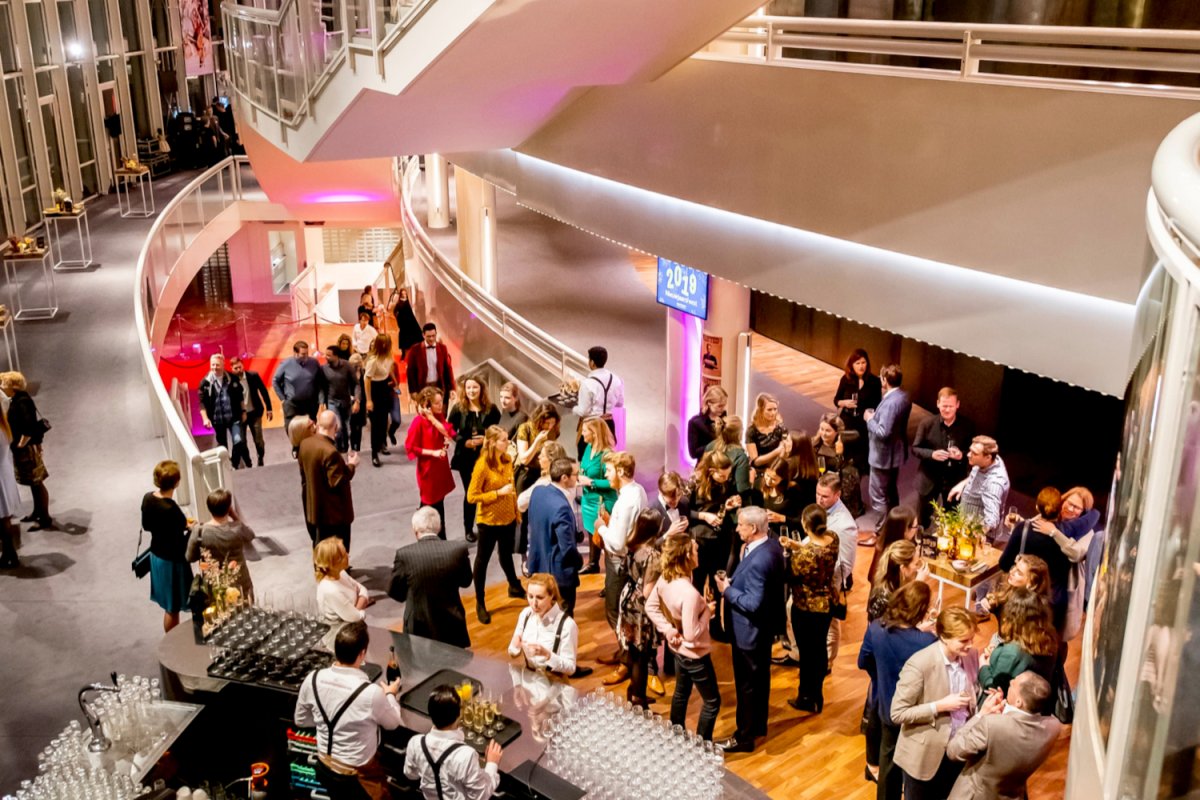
381 376
802 466
857 391
1028 641
899 524
544 425
711 523
491 487
635 630
470 416
729 442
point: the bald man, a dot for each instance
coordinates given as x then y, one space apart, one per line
325 479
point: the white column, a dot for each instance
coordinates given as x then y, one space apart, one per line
487 240
437 191
728 317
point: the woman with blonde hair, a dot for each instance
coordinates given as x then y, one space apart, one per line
491 488
767 433
381 376
470 416
545 634
28 429
700 430
729 442
682 616
340 598
900 563
597 491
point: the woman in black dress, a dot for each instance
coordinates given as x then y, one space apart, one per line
170 572
700 430
470 417
857 391
408 330
712 527
27 433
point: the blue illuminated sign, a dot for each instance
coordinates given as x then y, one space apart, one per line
683 288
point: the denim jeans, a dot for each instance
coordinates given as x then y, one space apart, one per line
698 672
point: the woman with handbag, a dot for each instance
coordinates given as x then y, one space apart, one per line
170 572
812 562
597 491
28 430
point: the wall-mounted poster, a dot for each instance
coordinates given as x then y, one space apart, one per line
710 363
197 37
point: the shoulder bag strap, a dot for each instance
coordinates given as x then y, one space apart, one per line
436 766
138 552
1024 532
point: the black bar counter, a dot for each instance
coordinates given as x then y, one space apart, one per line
525 695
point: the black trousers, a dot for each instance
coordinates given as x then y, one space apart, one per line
254 428
489 537
870 729
319 532
568 595
811 629
380 415
936 788
700 674
440 507
637 659
713 555
891 777
752 682
468 508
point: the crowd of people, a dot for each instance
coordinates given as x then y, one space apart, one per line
755 550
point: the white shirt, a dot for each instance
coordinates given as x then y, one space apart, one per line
956 676
590 402
362 338
431 374
461 775
357 733
841 521
672 513
543 630
335 599
523 499
631 499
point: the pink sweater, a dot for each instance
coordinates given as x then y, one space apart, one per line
677 603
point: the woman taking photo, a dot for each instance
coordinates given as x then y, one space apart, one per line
887 645
225 537
170 572
682 616
711 523
811 579
381 376
899 524
597 491
491 486
857 391
27 433
635 630
340 598
1027 641
765 439
729 442
428 443
470 417
700 431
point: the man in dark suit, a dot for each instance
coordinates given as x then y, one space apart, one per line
221 405
553 530
672 503
939 447
256 402
427 576
753 616
325 476
428 364
887 429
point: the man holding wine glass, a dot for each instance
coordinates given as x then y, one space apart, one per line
938 447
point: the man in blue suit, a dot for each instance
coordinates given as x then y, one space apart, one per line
887 431
552 530
753 616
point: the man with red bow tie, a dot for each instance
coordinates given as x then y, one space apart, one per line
429 364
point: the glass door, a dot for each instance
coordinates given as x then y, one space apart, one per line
54 145
85 142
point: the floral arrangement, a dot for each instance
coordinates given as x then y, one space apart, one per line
959 533
62 201
21 245
132 164
219 582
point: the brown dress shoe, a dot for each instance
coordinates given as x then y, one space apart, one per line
655 685
618 675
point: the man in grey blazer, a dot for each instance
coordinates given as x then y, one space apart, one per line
1005 742
887 436
934 698
427 576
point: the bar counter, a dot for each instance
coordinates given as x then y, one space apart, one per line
525 695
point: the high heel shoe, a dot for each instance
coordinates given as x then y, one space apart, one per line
868 776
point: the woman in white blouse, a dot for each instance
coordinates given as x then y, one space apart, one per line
545 635
340 598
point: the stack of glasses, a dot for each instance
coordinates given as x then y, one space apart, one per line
613 751
131 718
275 648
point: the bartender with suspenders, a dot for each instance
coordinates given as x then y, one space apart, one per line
348 710
545 635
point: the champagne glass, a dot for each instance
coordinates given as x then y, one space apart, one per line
821 465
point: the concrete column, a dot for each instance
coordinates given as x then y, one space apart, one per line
728 318
437 189
476 201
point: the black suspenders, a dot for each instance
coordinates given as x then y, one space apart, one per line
436 766
562 620
330 724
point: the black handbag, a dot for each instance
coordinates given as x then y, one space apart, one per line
1064 700
141 561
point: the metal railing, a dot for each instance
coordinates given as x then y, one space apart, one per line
172 233
281 59
969 52
549 353
1176 181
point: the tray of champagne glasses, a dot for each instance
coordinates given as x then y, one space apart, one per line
481 718
270 648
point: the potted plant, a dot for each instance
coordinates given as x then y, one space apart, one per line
960 532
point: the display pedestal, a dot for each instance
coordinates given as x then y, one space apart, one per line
12 263
54 219
133 183
9 332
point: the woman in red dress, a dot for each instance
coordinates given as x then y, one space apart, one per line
428 443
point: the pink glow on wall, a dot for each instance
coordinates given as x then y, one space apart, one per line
341 197
689 394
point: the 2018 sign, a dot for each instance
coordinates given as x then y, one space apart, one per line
683 288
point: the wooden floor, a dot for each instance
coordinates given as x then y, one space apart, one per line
804 756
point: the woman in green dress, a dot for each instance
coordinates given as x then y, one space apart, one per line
596 490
